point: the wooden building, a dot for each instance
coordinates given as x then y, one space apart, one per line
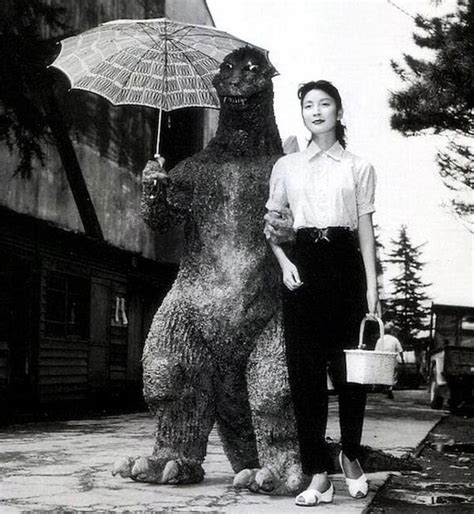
75 310
74 313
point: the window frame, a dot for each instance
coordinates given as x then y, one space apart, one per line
77 289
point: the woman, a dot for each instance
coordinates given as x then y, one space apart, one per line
329 283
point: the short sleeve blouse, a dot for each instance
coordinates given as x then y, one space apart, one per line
330 188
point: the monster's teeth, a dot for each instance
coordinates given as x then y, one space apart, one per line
234 100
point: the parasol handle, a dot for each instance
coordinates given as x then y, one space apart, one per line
157 153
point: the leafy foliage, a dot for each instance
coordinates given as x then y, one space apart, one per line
24 54
439 95
455 165
406 308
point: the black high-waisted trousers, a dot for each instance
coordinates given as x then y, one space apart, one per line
321 318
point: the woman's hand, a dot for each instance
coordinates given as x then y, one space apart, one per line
373 303
291 277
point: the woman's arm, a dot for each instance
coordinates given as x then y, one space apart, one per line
291 277
367 247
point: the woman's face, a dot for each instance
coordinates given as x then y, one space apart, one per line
320 113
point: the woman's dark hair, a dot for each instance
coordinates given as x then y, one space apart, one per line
332 91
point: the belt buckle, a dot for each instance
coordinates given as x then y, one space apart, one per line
322 235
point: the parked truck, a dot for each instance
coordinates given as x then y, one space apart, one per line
450 357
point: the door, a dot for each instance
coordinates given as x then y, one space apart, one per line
99 340
18 330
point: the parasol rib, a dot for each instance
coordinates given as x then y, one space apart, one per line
211 92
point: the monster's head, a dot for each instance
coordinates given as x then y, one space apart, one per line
244 77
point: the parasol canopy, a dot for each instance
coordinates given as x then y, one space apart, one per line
157 63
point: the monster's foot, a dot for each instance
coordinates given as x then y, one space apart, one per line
159 471
265 481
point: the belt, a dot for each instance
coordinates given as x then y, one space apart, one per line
328 234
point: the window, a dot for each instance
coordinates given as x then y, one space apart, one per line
467 331
67 306
467 323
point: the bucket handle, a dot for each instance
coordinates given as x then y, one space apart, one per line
367 317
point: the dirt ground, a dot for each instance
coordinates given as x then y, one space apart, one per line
446 481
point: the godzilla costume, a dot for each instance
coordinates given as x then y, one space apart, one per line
214 350
214 353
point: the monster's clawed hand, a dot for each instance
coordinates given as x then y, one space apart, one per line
279 226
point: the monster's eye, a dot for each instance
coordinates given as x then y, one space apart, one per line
251 67
227 66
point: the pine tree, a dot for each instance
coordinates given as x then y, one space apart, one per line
30 114
438 97
24 54
406 306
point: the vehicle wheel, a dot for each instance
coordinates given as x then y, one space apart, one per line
436 398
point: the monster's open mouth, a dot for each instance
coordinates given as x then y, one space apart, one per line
234 100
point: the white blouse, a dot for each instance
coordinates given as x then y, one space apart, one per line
323 188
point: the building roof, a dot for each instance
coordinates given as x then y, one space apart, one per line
34 235
443 307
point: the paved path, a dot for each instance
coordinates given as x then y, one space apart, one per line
66 465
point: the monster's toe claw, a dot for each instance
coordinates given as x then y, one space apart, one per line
170 473
140 468
265 480
123 467
294 483
160 471
244 478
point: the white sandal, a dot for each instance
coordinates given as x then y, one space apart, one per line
312 497
358 487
